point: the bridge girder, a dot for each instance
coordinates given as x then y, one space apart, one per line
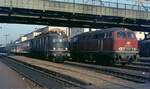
55 18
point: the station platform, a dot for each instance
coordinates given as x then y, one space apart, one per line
9 79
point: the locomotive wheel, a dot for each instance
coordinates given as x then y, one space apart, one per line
115 61
131 60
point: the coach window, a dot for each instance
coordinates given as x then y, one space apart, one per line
121 35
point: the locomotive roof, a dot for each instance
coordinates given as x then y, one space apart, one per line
116 29
104 30
51 33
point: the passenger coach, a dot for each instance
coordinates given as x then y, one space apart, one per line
108 46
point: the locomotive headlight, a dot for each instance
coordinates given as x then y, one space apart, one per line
120 48
66 48
134 49
123 48
54 48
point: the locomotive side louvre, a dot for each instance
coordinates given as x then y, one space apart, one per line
95 42
106 44
91 45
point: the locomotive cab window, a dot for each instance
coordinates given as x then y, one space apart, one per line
130 35
121 34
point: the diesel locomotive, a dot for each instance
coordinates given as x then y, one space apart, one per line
50 45
108 46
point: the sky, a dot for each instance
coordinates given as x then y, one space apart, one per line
16 30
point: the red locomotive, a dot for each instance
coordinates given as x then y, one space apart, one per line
108 46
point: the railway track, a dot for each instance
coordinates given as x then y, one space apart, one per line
145 60
78 71
141 64
43 77
144 69
132 75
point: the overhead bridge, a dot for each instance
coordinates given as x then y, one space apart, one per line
75 13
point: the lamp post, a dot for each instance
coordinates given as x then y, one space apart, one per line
117 4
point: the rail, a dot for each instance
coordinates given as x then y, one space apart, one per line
127 74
